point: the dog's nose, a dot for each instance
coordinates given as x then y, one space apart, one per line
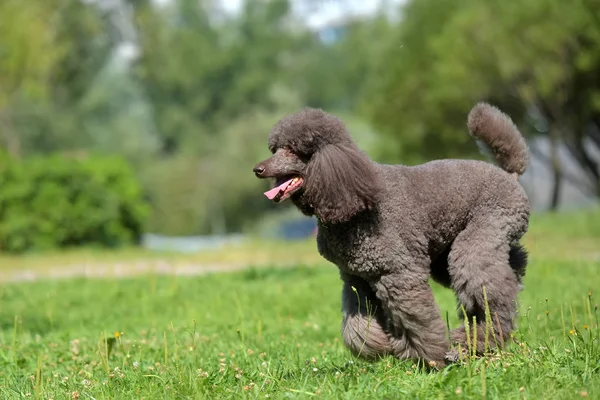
258 170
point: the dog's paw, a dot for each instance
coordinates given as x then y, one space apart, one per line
453 355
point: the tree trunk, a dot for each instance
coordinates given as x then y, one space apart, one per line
8 135
590 164
556 169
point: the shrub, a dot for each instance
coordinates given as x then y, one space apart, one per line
61 201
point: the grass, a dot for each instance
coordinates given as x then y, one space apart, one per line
270 332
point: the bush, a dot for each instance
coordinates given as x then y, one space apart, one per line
61 201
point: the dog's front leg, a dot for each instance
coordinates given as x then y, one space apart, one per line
363 319
418 330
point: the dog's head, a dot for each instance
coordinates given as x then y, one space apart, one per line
317 166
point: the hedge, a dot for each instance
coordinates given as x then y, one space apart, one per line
61 201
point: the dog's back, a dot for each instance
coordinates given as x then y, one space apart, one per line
447 191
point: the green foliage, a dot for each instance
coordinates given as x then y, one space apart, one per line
336 76
204 90
50 52
190 107
215 194
401 101
534 60
59 201
200 75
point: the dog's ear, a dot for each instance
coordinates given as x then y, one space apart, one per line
341 182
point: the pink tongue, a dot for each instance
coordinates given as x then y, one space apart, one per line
275 191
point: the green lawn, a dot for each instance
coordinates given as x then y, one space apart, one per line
273 332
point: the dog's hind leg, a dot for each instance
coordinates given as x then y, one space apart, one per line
417 330
362 324
484 256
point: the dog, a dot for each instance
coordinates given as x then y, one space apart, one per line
389 228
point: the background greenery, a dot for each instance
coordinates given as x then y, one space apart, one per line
186 93
58 201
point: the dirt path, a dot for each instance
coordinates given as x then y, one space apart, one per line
136 268
119 270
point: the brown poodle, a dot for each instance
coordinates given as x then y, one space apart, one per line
389 228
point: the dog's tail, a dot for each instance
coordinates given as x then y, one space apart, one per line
499 134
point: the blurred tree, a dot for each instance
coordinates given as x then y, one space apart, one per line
402 101
334 68
26 61
200 73
116 117
447 55
206 86
50 52
217 193
216 85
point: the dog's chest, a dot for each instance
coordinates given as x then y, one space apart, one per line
355 251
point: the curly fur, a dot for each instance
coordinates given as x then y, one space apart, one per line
340 180
350 178
496 130
390 228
